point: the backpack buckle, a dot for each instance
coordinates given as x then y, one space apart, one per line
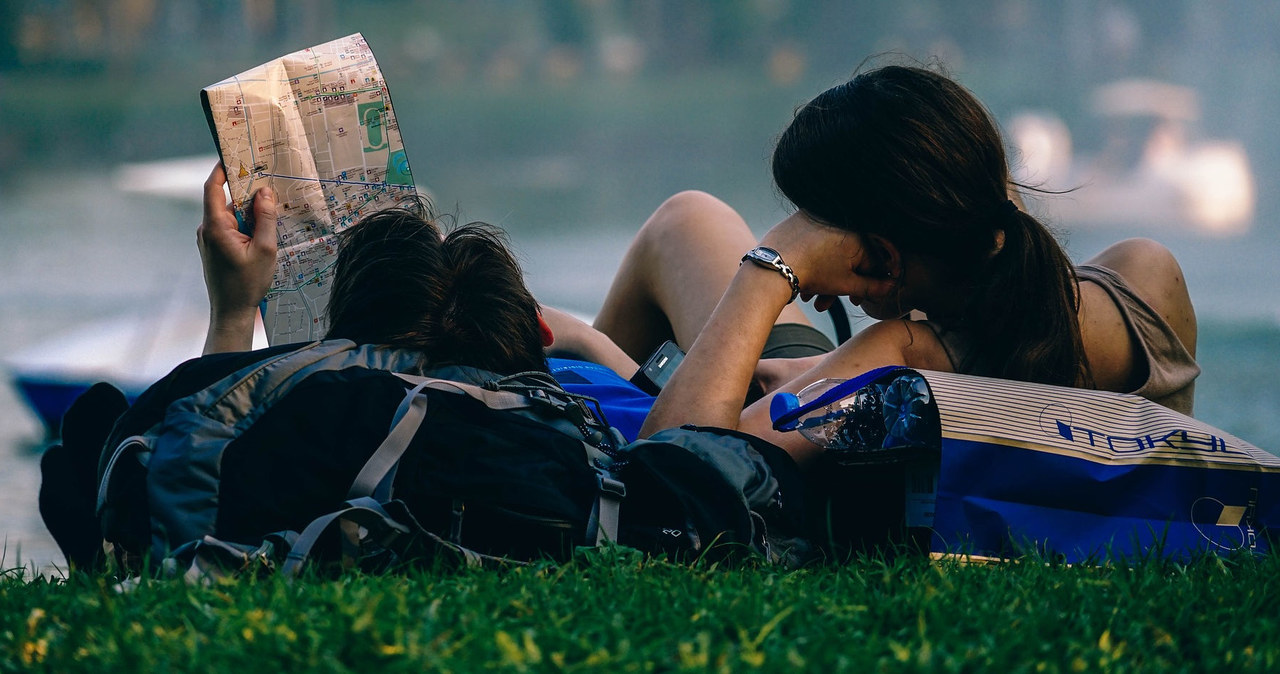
605 519
612 487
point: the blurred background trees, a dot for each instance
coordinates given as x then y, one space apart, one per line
115 78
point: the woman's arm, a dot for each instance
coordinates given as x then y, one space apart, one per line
774 373
709 386
237 267
708 393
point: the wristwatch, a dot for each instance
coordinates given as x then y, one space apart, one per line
771 259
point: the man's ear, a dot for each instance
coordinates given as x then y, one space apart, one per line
548 337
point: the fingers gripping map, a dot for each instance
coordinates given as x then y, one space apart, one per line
317 126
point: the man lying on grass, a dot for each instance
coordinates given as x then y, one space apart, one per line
451 300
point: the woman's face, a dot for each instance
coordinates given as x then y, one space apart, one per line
883 268
832 262
903 280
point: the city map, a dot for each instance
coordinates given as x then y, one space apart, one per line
317 126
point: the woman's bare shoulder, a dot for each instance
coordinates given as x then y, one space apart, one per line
893 342
1152 272
1146 265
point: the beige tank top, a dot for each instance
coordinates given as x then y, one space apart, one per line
1171 369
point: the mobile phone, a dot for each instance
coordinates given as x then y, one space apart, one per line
655 372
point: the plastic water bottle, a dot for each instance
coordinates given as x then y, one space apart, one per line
910 418
887 417
852 423
899 413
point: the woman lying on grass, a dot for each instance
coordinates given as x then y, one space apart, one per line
903 203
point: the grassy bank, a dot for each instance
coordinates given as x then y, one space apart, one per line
610 611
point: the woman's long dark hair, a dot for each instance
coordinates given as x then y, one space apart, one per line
912 156
459 298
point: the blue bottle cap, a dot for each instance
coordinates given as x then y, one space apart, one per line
782 404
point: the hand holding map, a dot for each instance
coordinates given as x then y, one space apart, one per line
317 127
238 267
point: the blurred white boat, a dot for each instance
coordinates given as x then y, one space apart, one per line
131 351
179 178
1151 171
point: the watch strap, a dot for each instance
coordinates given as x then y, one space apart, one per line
771 259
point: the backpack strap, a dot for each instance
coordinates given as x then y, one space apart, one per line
184 464
606 515
366 522
512 399
376 476
365 512
570 413
379 471
493 399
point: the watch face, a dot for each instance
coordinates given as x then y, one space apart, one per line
765 255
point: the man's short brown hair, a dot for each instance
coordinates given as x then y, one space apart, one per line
459 298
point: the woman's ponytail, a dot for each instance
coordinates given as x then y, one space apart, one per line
1024 310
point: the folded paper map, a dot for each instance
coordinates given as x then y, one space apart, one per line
317 126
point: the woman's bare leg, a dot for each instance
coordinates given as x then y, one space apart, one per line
674 273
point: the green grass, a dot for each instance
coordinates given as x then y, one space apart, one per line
613 611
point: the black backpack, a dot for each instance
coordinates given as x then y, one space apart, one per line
340 452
